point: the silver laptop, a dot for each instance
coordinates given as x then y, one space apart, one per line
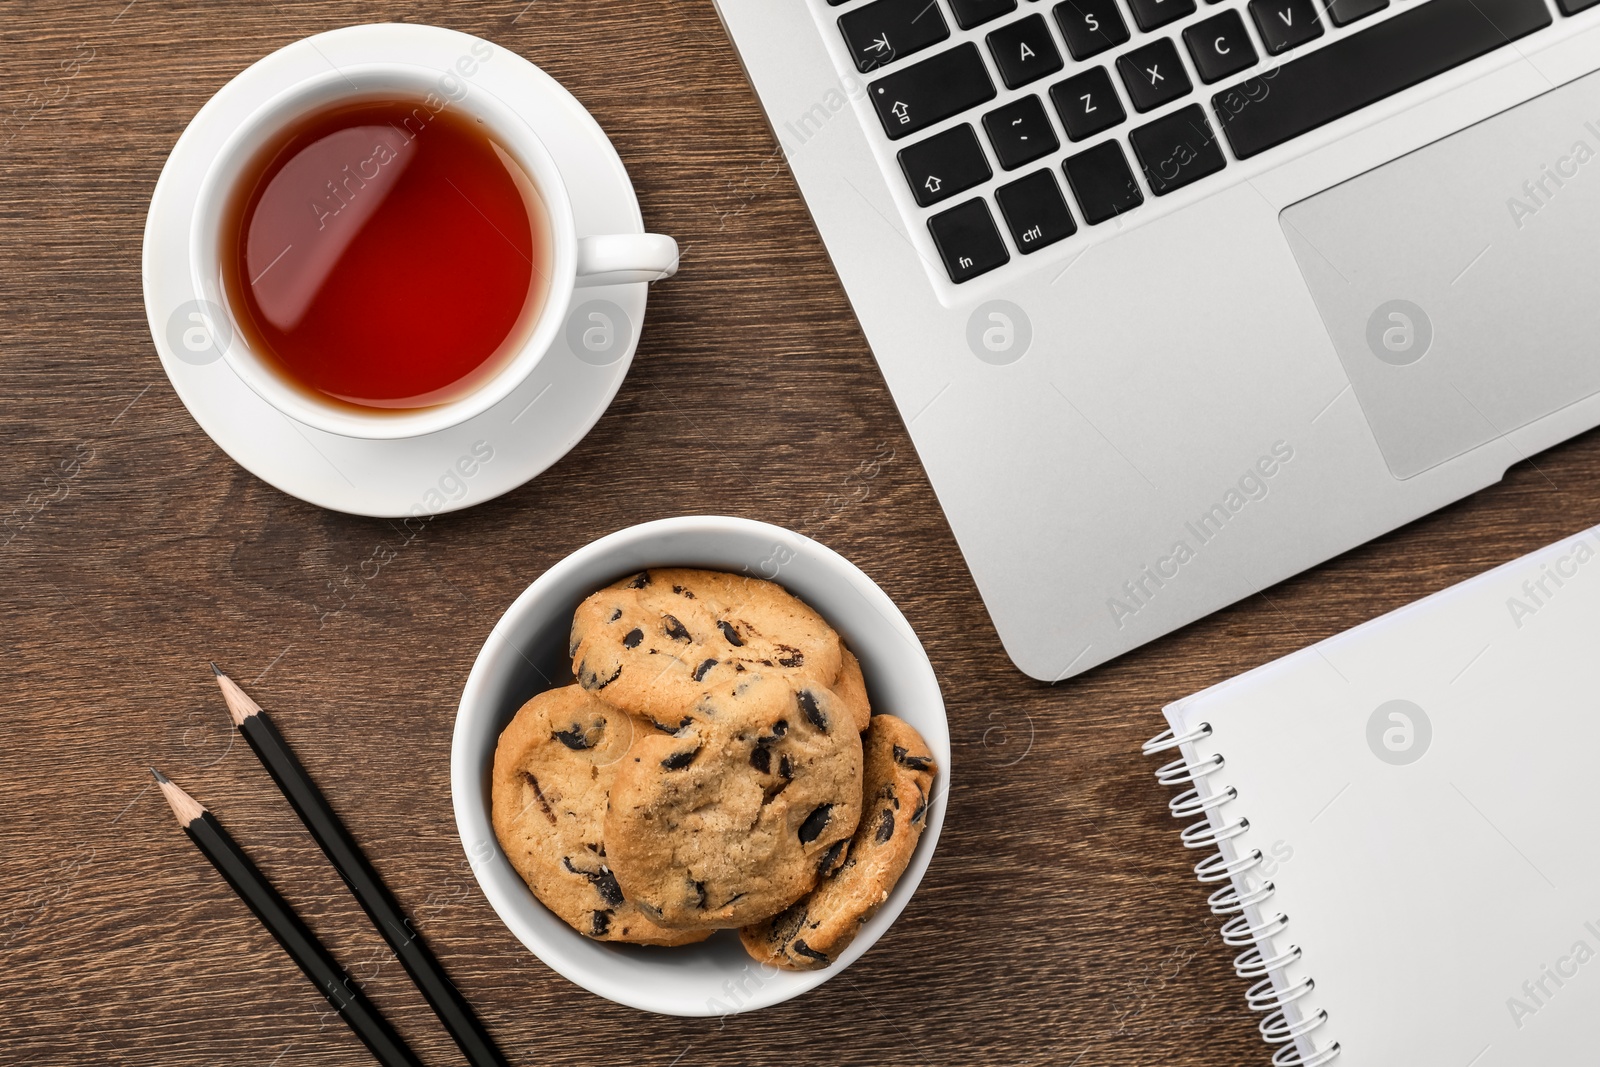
1180 298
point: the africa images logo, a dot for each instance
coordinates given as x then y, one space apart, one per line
1537 992
1138 591
1554 574
1399 732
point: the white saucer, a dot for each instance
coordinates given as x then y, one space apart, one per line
467 464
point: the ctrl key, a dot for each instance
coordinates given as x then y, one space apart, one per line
1035 211
967 240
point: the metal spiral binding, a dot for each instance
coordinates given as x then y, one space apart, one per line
1232 899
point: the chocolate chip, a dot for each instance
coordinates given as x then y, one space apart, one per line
675 629
815 823
615 615
539 795
830 857
788 923
808 704
803 949
785 768
731 634
599 924
761 759
705 668
683 724
885 826
679 760
794 657
604 882
910 762
577 738
681 591
632 638
780 727
640 580
592 681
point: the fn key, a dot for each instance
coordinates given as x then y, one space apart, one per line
967 240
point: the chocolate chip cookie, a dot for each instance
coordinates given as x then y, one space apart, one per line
732 813
654 642
897 779
553 770
851 689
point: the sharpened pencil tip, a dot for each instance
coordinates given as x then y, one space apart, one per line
240 706
184 806
216 670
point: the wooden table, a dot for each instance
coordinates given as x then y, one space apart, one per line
1059 922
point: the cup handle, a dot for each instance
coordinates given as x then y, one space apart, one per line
626 257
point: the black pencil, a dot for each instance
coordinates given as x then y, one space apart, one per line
281 921
341 849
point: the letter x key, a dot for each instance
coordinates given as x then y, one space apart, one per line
1153 74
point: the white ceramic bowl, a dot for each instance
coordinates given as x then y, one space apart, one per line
528 646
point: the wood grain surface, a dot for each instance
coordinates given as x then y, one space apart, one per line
1059 922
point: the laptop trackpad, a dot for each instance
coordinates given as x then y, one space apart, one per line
1461 283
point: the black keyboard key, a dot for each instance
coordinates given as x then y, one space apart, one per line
1285 24
1572 7
967 240
1020 132
885 30
915 97
1087 104
945 164
1221 46
1035 211
1024 51
1154 14
1102 182
1090 26
1177 149
970 13
1153 74
1368 65
1344 12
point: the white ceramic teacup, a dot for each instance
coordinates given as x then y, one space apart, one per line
575 260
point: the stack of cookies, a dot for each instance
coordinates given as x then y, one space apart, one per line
716 766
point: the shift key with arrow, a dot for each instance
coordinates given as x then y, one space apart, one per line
883 31
945 164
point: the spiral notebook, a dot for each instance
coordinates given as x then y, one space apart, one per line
1398 826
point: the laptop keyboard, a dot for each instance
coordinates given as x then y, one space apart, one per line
1107 102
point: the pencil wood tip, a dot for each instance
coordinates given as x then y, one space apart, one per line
184 806
240 706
